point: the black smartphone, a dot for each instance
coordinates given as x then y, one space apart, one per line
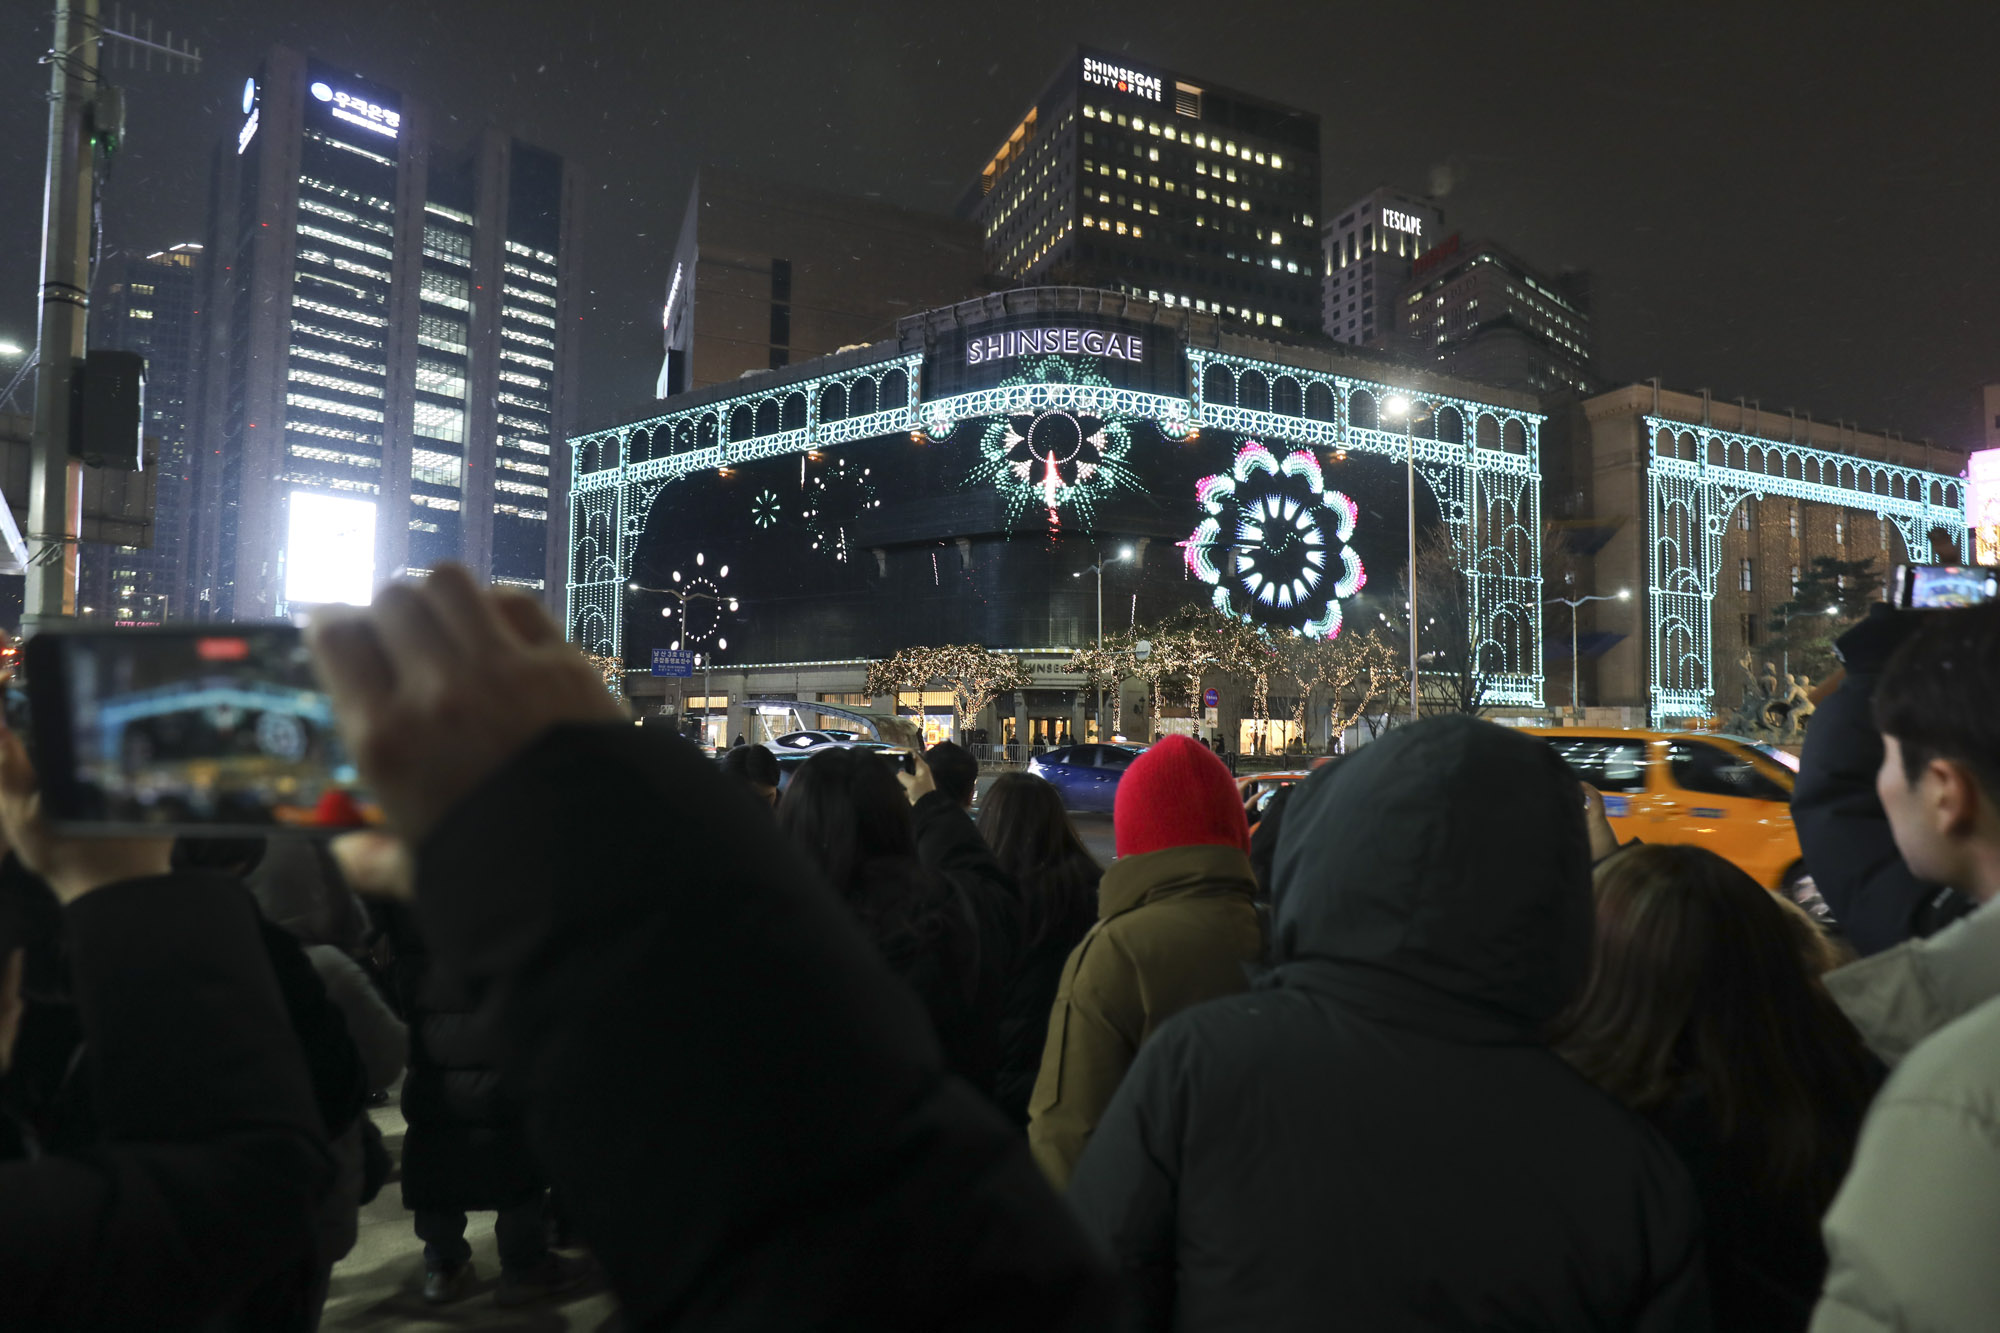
1937 587
216 729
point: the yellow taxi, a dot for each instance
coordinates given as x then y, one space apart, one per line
1694 787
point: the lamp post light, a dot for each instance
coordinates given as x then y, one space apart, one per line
1411 412
699 588
1622 595
1124 554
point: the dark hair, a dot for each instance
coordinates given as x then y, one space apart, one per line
238 856
846 811
753 764
1023 821
955 770
1699 983
1936 696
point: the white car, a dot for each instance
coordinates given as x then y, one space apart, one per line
796 741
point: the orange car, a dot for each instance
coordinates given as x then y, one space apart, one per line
1692 787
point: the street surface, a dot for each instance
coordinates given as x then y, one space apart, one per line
1095 830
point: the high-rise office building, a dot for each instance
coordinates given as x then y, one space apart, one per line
390 350
1366 254
1479 312
150 304
1162 186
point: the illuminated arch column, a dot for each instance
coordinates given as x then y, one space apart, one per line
1689 503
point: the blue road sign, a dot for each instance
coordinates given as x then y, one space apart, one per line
673 662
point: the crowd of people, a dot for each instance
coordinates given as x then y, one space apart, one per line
1434 1051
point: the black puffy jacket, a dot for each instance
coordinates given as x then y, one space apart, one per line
1842 830
1377 1138
746 1113
466 1148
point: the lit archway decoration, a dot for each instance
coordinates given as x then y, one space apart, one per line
1274 543
1069 454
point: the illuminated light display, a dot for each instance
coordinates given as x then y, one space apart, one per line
250 116
1269 542
1104 74
764 509
329 549
1697 475
1982 505
359 110
1057 457
834 499
1023 342
1408 222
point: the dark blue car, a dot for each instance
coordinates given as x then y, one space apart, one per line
1086 775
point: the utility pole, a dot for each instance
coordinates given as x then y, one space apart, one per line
55 491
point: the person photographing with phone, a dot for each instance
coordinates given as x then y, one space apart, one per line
746 1111
194 1203
1874 894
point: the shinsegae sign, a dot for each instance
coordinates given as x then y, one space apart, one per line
986 347
1104 74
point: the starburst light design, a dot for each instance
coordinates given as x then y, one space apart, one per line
1055 458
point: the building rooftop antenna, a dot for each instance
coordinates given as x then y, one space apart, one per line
135 42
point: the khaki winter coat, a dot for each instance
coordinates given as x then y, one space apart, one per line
1910 1236
1175 927
1902 995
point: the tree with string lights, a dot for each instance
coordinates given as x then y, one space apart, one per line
975 676
1354 670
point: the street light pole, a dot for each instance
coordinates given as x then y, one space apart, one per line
1097 704
1124 554
1400 406
1622 595
53 479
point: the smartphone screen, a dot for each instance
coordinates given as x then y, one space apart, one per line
203 730
1935 587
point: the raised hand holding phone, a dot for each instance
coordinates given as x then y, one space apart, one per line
72 866
438 684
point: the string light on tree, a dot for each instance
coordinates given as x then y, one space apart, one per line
974 674
1274 543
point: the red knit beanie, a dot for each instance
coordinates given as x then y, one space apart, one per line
1178 794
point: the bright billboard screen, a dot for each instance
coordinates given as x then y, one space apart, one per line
329 549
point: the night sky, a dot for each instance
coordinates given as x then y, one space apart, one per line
1791 202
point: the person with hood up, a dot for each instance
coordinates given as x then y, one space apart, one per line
1176 925
1379 1136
